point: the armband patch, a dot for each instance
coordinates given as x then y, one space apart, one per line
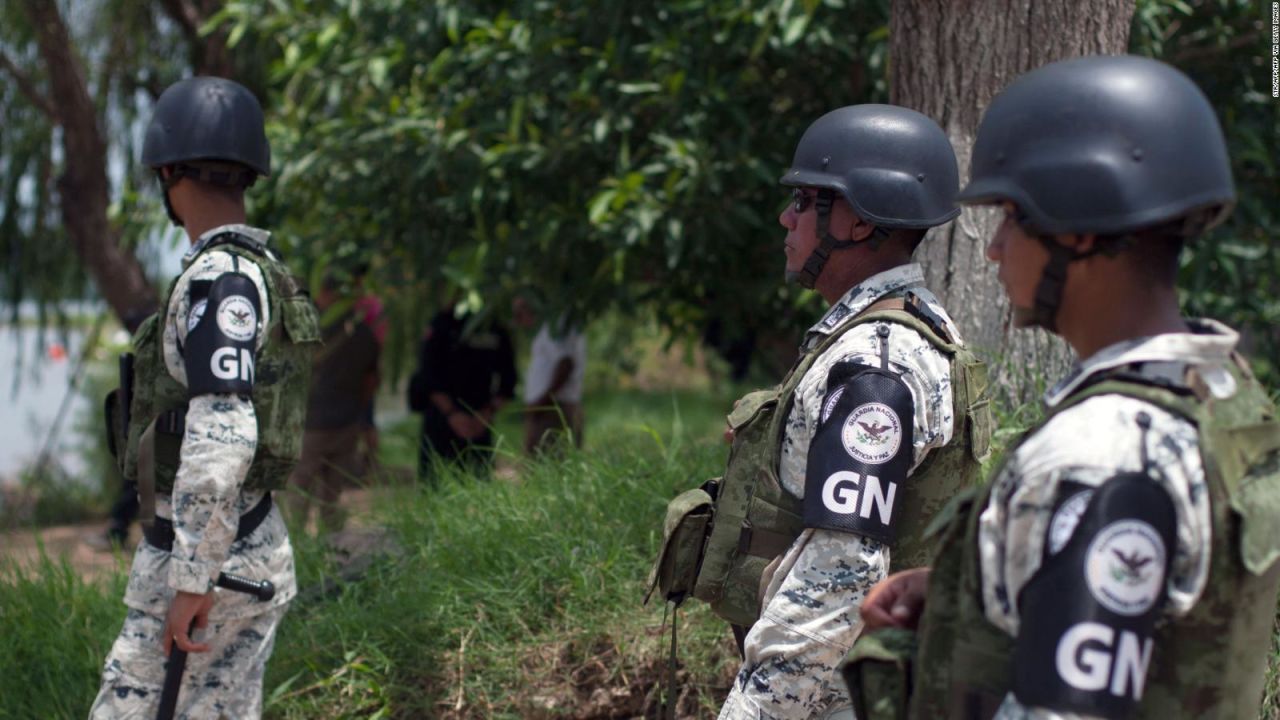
859 457
1088 615
220 351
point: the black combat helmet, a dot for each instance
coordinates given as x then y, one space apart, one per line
894 166
1106 145
207 118
1103 144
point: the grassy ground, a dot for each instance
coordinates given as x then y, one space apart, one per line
512 597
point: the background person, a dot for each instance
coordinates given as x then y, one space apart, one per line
466 372
344 379
553 382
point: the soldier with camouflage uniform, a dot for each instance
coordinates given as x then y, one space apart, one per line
212 424
870 405
1122 563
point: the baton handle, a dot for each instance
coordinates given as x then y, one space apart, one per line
263 590
173 671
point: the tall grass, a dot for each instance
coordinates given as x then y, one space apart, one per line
511 597
516 596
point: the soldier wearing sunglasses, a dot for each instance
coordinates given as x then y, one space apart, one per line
881 420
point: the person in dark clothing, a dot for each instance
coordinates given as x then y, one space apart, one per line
466 372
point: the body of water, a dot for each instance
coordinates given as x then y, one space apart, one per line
35 381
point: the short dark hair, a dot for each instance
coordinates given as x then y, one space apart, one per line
908 238
1155 252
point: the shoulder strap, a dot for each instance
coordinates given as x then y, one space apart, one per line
1176 400
907 318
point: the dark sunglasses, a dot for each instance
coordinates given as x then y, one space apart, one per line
802 199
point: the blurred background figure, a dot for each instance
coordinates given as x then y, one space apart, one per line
369 309
553 383
344 379
466 372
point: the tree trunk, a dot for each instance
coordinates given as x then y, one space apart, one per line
83 189
948 60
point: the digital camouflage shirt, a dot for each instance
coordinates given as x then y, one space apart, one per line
810 611
1089 444
217 449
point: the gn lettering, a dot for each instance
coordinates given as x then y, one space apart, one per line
228 364
1088 658
848 492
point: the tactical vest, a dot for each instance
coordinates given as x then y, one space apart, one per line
157 409
720 538
1209 663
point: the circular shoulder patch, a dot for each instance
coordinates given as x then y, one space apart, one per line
872 433
1065 520
195 313
237 319
1125 567
830 404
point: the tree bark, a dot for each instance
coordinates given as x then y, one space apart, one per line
209 53
83 189
948 59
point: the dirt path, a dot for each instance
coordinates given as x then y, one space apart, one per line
74 543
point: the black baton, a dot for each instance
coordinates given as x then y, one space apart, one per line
263 590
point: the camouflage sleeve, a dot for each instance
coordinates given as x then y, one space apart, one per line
810 617
808 626
1086 445
1075 452
219 444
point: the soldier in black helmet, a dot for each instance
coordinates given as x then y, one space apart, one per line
834 473
213 422
1122 562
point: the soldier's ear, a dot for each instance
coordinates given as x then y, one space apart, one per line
860 229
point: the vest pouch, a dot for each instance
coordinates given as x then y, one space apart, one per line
142 400
748 405
300 320
114 423
767 531
878 672
684 534
1255 497
750 422
979 421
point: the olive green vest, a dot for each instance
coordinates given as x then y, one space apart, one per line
281 378
755 520
1209 663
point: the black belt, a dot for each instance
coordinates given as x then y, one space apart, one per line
160 534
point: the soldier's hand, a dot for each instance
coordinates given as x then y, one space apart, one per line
185 608
896 601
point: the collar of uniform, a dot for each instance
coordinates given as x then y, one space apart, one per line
1209 342
256 234
861 296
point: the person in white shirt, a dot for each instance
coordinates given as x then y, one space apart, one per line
553 382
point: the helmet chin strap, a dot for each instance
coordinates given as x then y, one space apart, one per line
1053 281
807 276
165 184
